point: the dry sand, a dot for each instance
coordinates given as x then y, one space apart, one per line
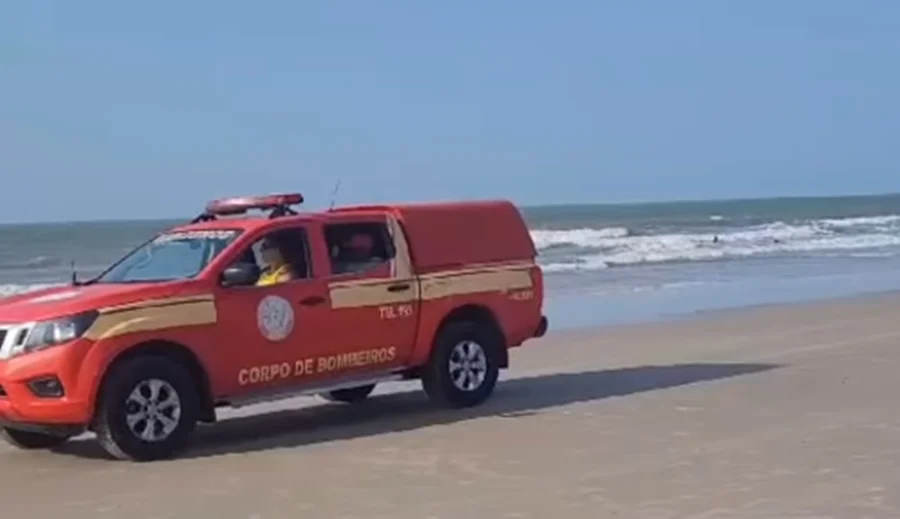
781 412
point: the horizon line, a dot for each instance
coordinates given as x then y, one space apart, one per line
630 203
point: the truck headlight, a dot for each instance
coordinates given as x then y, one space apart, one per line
57 331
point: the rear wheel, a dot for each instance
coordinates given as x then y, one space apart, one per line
30 440
350 395
464 365
148 409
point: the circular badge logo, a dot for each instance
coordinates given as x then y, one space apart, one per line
275 318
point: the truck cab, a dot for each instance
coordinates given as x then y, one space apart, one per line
253 301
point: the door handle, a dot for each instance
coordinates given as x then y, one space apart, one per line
312 300
398 288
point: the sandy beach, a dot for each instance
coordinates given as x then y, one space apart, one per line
779 411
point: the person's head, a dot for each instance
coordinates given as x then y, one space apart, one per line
359 246
271 253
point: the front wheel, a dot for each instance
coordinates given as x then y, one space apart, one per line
464 366
30 440
148 409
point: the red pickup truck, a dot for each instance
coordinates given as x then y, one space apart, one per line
253 300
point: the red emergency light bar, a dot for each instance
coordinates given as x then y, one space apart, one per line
280 204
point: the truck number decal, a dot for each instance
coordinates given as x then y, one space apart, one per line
395 311
522 295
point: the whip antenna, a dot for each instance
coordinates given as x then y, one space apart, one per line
334 193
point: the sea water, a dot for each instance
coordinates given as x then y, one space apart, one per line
603 263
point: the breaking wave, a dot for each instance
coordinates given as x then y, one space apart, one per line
13 289
33 263
598 248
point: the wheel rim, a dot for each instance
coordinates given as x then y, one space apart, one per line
153 410
468 365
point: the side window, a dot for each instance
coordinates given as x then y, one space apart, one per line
285 252
358 246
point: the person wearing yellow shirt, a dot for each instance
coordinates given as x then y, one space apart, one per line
277 270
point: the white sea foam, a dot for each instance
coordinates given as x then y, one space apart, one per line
584 237
861 221
600 248
9 290
593 249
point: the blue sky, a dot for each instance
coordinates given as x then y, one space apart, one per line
147 109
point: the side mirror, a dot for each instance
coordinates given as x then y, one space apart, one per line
240 274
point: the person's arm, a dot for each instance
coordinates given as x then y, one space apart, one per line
286 275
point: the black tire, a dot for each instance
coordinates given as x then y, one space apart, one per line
111 426
31 440
350 395
436 377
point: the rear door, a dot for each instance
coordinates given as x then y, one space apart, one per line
373 292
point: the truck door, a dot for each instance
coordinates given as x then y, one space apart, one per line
374 293
271 335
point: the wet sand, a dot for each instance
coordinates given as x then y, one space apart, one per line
781 412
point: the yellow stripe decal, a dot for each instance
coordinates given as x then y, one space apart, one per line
499 281
133 319
522 265
158 302
373 292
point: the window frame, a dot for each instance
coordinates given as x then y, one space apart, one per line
383 232
253 240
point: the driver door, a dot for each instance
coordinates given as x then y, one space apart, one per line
271 335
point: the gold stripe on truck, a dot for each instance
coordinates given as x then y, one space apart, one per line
355 294
485 268
168 301
498 280
473 280
153 315
175 312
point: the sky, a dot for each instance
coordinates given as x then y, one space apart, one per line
112 109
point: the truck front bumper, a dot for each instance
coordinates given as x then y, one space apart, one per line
39 389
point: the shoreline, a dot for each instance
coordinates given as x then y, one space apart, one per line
708 315
593 304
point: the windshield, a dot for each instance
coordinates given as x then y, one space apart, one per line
170 256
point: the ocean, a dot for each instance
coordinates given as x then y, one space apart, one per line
603 263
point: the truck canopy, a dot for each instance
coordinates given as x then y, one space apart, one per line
444 235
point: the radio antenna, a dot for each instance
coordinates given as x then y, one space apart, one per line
334 193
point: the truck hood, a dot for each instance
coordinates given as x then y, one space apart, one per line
55 302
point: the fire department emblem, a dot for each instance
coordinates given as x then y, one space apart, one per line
275 318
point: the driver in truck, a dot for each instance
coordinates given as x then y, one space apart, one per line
277 269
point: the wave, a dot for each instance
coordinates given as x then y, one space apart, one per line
590 249
593 249
860 221
13 289
32 263
544 239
